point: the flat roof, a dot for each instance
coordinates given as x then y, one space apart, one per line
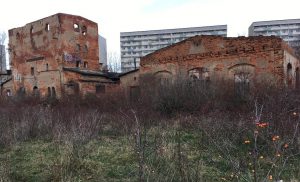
175 30
275 22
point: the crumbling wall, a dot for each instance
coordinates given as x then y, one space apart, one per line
221 58
39 51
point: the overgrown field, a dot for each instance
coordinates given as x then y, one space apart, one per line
180 133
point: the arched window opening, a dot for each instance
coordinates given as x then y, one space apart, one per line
35 91
85 64
76 27
53 92
242 83
47 27
8 93
47 67
85 48
49 92
31 30
32 71
199 74
78 47
83 30
289 75
77 64
163 77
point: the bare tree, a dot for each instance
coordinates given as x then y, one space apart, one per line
114 62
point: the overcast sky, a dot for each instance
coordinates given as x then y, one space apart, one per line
115 16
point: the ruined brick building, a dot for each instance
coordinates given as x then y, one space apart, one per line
244 60
56 55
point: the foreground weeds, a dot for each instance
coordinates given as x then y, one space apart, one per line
180 133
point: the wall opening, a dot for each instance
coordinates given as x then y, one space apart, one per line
100 89
83 30
289 74
49 92
134 93
32 71
199 74
242 84
77 64
76 27
35 91
47 27
85 64
8 93
47 67
78 47
53 92
31 30
297 78
85 48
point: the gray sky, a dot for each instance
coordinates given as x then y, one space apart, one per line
115 16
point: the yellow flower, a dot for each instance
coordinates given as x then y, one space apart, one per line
246 141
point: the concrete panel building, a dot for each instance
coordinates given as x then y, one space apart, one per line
2 59
135 45
102 51
288 30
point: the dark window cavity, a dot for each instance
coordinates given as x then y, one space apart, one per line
47 27
100 89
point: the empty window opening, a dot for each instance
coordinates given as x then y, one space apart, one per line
35 91
85 64
49 92
32 71
134 93
31 29
289 75
199 74
76 27
47 27
53 93
297 78
18 35
242 83
47 67
77 64
100 89
83 30
85 48
78 47
8 93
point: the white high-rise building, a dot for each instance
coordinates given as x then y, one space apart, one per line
2 60
135 45
102 50
288 30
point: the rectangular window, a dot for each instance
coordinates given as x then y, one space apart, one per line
32 71
100 89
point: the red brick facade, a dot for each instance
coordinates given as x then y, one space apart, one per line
54 55
216 57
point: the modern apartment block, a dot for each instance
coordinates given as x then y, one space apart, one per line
102 50
2 60
135 45
288 30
